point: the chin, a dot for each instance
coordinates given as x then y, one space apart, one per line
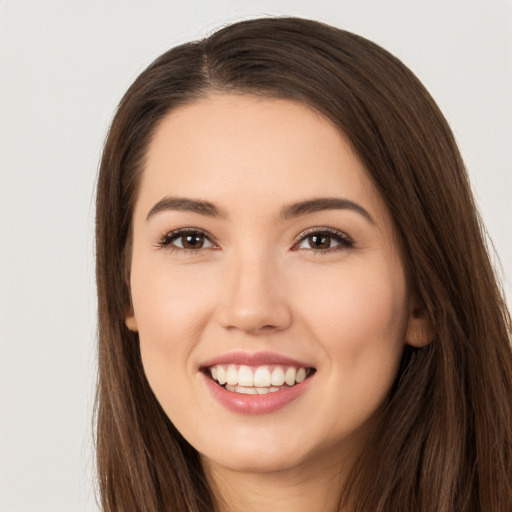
253 461
251 453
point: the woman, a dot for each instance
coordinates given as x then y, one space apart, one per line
296 305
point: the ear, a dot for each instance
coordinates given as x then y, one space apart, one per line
130 320
420 331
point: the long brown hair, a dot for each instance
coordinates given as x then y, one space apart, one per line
444 441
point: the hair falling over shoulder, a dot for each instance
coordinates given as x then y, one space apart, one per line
444 440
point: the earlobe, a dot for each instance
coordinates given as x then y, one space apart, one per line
420 332
131 321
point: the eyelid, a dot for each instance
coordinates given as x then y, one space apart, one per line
344 240
166 240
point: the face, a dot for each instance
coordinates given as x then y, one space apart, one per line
264 257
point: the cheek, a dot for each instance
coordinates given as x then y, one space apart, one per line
359 317
169 300
172 310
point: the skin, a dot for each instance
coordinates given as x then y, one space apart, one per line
257 285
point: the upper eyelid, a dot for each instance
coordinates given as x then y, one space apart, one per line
180 231
174 234
315 229
323 229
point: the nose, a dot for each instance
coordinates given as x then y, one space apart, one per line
254 298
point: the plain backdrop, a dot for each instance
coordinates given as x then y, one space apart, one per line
63 68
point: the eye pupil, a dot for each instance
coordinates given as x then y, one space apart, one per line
319 241
192 241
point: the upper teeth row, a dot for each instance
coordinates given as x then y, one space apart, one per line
260 376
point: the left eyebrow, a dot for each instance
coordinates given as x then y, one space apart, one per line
320 204
185 204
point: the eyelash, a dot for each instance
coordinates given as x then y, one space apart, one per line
343 241
166 241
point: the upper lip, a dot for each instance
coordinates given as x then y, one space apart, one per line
254 359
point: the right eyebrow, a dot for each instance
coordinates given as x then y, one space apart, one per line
186 205
320 204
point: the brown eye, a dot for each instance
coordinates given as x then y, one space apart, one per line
319 241
187 240
192 241
324 240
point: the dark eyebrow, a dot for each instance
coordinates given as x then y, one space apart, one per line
322 203
186 205
288 212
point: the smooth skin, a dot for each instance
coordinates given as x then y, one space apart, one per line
326 287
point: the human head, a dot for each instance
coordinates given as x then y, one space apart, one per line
408 151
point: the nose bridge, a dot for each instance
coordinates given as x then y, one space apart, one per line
254 298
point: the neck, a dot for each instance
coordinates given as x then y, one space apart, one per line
316 486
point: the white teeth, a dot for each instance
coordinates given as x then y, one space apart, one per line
245 376
221 375
262 377
245 390
277 376
289 376
249 380
232 375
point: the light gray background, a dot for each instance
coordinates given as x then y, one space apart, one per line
63 68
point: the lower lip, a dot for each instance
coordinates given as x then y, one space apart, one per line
256 404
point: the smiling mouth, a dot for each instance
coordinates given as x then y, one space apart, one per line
257 380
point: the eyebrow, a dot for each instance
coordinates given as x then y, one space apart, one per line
320 204
288 212
184 204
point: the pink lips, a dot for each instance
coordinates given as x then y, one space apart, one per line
255 404
255 359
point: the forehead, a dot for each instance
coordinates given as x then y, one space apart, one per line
230 146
